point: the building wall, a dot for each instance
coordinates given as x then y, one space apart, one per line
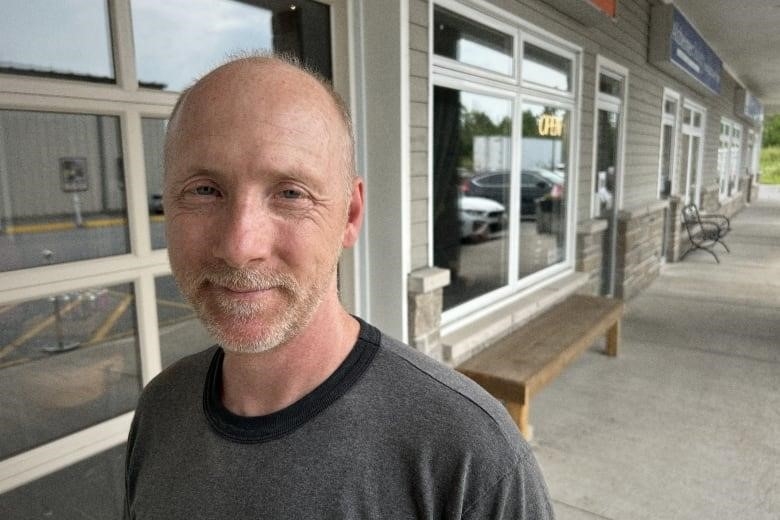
649 231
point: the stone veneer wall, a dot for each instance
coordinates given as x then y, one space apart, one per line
425 306
590 240
639 244
709 199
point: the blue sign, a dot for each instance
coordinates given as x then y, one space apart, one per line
690 52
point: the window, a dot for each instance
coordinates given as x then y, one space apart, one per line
472 153
729 158
461 39
68 361
547 69
501 161
70 40
666 171
92 488
88 309
62 187
181 332
691 151
153 137
199 34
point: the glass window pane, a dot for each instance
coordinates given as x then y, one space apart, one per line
472 153
153 131
472 43
546 68
606 160
62 191
543 186
67 362
610 85
91 488
181 332
64 39
666 161
198 34
670 107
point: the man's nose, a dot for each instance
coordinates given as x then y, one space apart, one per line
245 233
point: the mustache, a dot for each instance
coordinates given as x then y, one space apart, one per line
245 279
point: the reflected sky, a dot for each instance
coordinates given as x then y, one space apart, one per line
66 36
178 40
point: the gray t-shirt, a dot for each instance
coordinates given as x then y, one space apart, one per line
391 434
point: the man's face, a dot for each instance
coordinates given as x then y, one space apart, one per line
256 209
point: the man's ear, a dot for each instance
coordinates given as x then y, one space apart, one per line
354 214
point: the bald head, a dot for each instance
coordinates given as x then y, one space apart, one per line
256 78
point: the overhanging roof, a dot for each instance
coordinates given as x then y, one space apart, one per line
746 36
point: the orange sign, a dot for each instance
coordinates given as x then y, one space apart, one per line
608 6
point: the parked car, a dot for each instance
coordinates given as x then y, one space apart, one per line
480 217
534 184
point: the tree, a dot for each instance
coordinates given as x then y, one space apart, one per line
771 131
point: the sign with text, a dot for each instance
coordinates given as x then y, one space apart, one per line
677 48
549 125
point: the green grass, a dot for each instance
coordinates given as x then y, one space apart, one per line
770 165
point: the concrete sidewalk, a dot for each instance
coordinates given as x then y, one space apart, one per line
685 422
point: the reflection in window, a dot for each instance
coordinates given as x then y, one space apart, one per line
543 183
472 154
65 39
181 333
67 362
610 85
471 43
199 34
91 488
545 68
153 132
61 188
607 133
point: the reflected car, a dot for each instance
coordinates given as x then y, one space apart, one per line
534 184
480 217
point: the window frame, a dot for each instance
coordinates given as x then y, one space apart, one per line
448 73
692 130
603 101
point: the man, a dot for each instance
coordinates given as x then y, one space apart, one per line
302 411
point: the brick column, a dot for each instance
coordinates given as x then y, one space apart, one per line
425 306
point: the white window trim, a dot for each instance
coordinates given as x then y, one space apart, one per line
674 122
442 72
606 102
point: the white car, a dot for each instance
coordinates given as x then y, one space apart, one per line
480 217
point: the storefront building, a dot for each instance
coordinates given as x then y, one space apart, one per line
515 152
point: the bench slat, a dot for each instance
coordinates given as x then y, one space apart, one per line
518 365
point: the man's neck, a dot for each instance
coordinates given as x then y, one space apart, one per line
260 384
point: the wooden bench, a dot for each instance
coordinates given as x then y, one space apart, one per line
520 364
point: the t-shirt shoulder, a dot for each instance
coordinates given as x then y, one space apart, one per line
466 395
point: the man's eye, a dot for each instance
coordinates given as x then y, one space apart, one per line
291 194
206 191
